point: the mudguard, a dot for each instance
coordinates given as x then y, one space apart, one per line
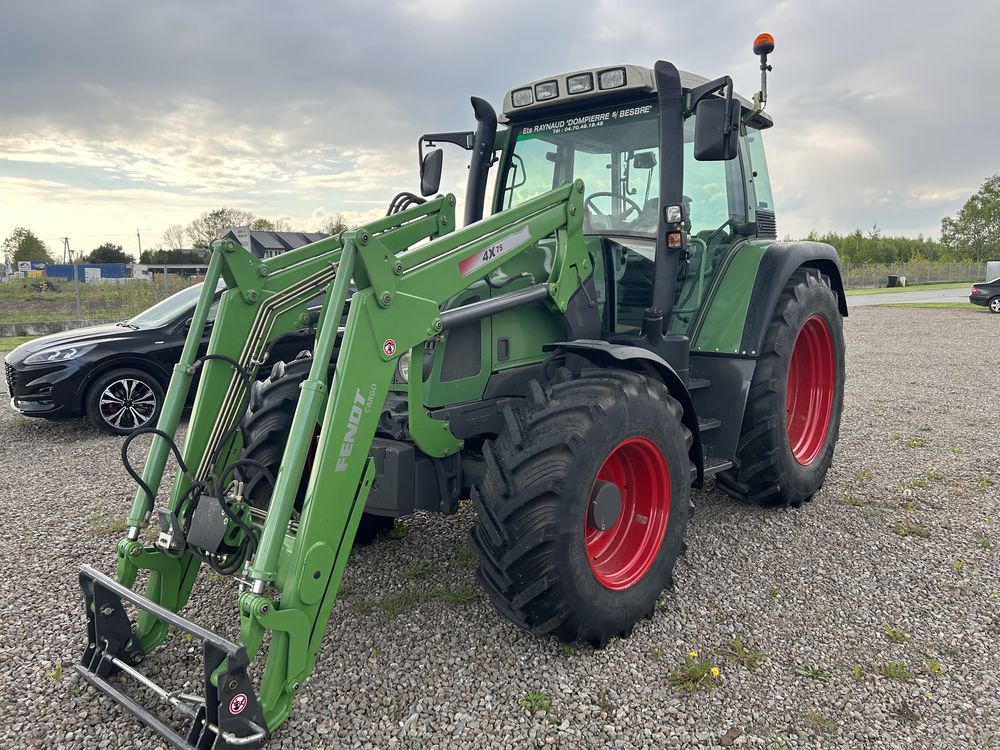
605 354
777 264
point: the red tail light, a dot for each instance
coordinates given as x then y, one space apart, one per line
975 290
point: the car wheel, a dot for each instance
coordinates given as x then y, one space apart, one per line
995 305
121 401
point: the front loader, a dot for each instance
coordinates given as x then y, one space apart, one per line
621 327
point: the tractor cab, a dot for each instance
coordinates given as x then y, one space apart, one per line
603 126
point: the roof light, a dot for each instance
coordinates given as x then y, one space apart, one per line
522 98
580 84
763 44
611 79
546 90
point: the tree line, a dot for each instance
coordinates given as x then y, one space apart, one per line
973 234
178 244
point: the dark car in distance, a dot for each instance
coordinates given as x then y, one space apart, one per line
986 294
116 374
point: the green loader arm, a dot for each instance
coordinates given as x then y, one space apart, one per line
401 286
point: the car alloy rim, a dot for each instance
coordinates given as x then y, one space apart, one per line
127 403
632 495
995 305
809 395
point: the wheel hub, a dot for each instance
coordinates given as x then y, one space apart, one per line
605 505
627 513
810 389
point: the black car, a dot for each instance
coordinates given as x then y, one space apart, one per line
986 294
116 374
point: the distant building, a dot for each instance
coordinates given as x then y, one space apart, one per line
268 244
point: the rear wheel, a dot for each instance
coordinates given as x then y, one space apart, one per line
121 401
265 430
792 419
582 508
994 305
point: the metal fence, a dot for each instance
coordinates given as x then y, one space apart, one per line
873 275
52 300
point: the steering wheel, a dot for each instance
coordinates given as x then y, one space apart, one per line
630 208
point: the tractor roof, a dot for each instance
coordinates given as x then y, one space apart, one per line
587 87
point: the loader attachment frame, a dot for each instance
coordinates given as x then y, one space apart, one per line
291 572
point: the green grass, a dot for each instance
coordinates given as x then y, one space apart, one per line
914 288
896 670
536 700
897 634
9 343
698 673
742 654
940 306
813 671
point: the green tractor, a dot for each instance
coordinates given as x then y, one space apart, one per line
622 326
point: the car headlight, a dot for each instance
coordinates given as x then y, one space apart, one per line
58 354
403 367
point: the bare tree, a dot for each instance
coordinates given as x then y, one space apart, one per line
173 237
206 227
334 224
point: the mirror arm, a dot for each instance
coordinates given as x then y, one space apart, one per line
462 139
698 93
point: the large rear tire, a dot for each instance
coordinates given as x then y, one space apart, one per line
792 419
265 431
584 501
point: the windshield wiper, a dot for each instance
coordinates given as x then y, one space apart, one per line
126 324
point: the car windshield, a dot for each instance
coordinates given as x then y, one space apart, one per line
613 150
169 309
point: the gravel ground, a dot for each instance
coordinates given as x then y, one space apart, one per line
904 536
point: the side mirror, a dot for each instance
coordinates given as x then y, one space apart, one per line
716 135
430 172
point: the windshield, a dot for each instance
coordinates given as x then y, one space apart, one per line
169 309
613 150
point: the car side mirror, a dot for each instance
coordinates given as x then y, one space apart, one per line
430 172
716 129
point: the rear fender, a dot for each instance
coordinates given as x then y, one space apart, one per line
604 354
778 263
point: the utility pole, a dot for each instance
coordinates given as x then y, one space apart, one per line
140 241
66 250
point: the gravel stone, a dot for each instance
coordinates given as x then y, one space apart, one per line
905 534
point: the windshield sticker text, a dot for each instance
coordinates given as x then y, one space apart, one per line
585 122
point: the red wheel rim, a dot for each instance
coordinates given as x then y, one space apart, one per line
620 555
809 395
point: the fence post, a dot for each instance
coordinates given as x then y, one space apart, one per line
76 277
164 282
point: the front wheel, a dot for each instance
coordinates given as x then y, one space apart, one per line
582 508
121 401
792 418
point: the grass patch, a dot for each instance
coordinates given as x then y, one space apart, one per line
986 482
456 594
56 673
396 604
914 288
917 484
896 670
958 566
698 673
857 672
399 530
362 606
744 655
967 306
820 723
915 442
466 557
897 634
985 543
812 671
419 569
905 529
100 525
854 501
535 701
934 668
9 343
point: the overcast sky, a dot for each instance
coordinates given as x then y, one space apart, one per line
118 116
